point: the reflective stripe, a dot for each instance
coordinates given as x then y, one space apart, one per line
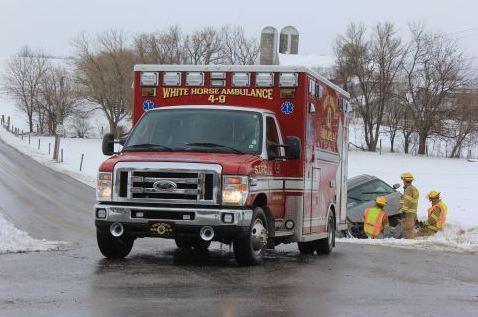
372 221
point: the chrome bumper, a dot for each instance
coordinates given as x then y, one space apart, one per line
203 216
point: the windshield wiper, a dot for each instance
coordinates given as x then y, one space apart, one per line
146 147
206 144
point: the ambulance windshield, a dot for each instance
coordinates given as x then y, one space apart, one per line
198 130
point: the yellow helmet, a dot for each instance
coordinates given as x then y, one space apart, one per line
407 176
381 201
433 194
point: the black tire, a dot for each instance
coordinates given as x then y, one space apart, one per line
306 247
250 249
325 246
192 244
113 248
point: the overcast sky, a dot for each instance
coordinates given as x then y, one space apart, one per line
51 24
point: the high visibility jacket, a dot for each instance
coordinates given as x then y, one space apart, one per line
409 200
436 216
373 221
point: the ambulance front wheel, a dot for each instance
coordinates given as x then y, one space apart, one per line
112 247
250 249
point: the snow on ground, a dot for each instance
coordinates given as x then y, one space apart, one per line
13 240
456 179
72 150
455 238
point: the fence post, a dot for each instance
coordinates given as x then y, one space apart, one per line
39 143
29 138
81 162
61 156
380 147
49 148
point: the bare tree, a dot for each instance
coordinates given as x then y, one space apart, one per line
464 120
104 69
236 48
225 45
57 98
368 67
435 67
81 124
24 73
203 47
163 47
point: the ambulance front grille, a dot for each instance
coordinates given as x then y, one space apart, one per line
167 186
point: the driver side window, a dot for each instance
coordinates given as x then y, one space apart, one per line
272 136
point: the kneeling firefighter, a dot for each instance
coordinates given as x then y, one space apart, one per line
375 219
436 216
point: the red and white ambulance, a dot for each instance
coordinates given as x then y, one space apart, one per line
252 156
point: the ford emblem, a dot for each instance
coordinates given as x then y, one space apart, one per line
165 185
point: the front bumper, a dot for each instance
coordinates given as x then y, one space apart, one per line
187 221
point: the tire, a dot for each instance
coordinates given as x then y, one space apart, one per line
192 244
325 246
306 247
250 249
113 248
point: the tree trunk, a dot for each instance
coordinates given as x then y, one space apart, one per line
422 143
392 141
30 123
113 128
406 142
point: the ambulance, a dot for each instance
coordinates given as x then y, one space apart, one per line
252 156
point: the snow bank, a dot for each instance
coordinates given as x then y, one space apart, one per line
454 238
13 240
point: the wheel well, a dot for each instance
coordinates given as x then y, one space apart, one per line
260 201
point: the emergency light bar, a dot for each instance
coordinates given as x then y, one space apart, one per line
241 79
148 79
288 80
218 79
264 79
195 79
172 79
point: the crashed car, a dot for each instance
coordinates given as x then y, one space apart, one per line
361 194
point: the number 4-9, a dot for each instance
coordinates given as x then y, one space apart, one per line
220 99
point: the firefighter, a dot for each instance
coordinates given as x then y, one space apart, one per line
375 219
436 216
408 206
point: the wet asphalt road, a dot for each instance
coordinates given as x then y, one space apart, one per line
158 280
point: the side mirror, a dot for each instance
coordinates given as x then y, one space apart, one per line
396 186
108 145
292 150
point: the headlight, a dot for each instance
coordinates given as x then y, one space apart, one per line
234 190
105 186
